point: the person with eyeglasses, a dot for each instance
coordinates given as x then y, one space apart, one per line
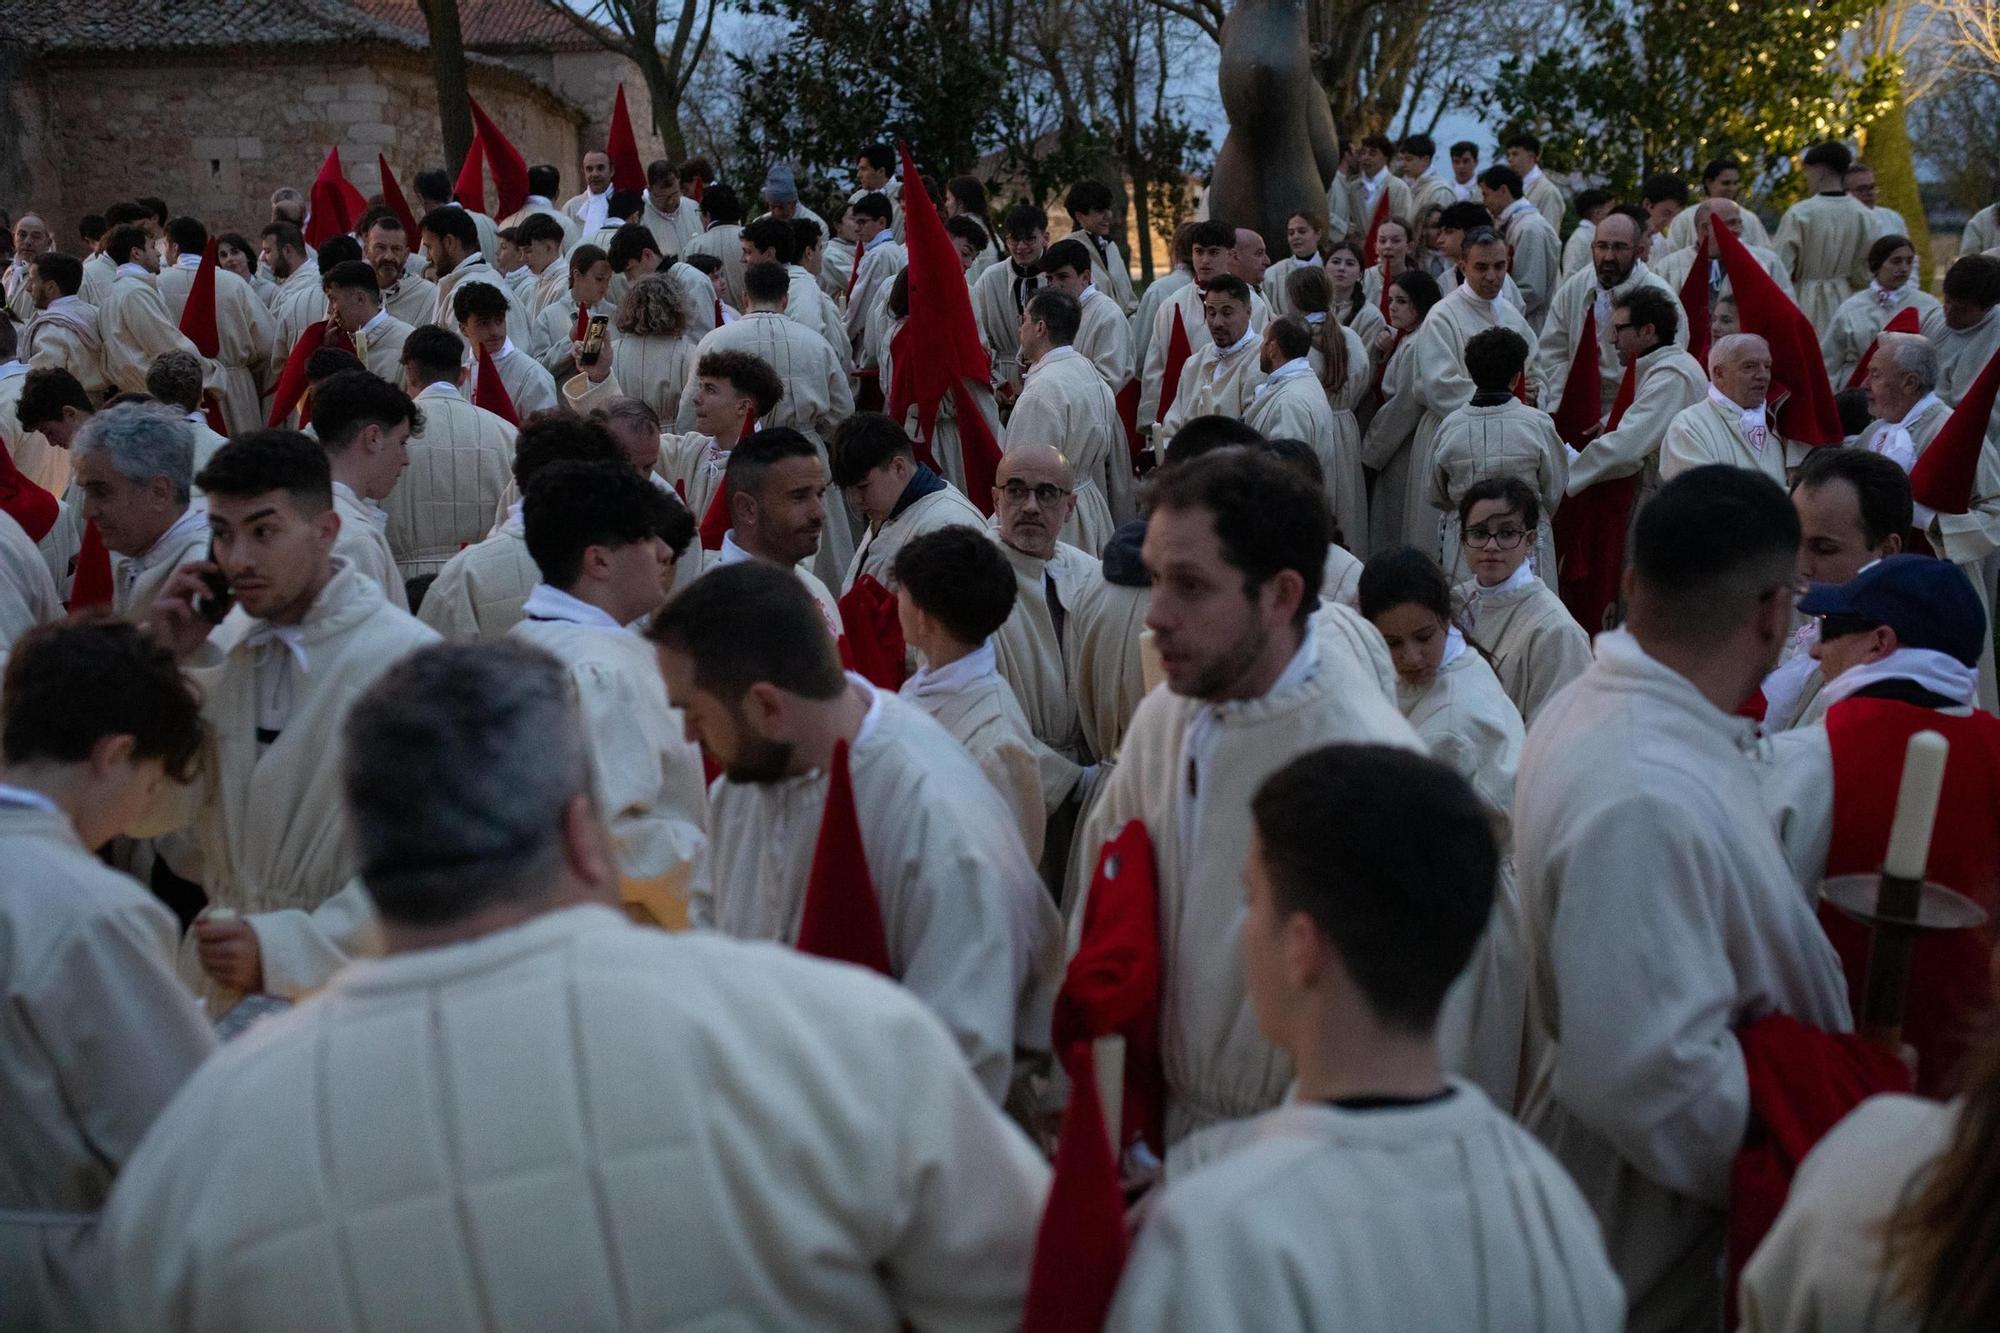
1494 435
1586 297
1535 643
1660 912
1065 402
1899 643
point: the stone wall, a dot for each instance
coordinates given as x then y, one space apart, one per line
590 79
214 136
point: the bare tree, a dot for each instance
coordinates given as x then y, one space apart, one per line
448 72
632 29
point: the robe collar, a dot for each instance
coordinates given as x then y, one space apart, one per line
1295 368
1940 673
1620 656
1887 296
551 603
922 482
193 519
139 271
1054 356
24 798
975 666
441 389
12 369
1502 594
1752 422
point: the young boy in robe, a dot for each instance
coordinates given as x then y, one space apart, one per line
1382 1193
482 313
954 590
1496 435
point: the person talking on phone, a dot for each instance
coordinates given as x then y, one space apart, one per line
303 634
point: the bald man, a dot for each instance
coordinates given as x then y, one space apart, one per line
1585 297
32 239
1733 424
591 208
1674 268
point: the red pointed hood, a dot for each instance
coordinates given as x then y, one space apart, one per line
1179 349
1801 395
872 628
25 502
842 917
937 351
334 205
491 391
292 379
1694 304
627 172
394 200
470 187
510 169
198 315
1943 478
1905 320
1576 419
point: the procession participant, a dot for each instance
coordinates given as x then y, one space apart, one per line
876 263
1293 403
1210 245
1414 156
243 324
1235 545
1453 699
1721 178
542 246
1900 645
563 321
31 241
410 297
1534 250
365 424
905 1198
544 184
1065 403
1863 316
1642 1093
1859 181
1368 878
309 634
459 459
1453 226
1710 213
589 207
1494 435
1000 296
354 305
1823 240
1303 240
1966 334
1732 425
451 243
52 406
134 471
132 320
817 396
1341 364
1647 329
775 488
672 217
297 304
954 590
901 499
771 240
1369 182
1089 204
1157 292
1592 207
435 190
1224 372
1902 394
1535 645
656 341
1524 157
63 334
94 717
1102 335
721 239
484 315
963 922
1615 270
1386 443
1663 201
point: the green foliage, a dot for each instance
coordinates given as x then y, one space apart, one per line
1648 86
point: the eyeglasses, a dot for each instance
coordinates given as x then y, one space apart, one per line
1839 626
1047 494
1504 538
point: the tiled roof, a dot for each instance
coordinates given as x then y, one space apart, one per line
81 26
494 25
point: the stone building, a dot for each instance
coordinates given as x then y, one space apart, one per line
212 106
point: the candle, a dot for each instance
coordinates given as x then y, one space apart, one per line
1916 806
219 914
1150 669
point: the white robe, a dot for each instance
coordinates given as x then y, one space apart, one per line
136 330
244 329
137 580
1139 324
1673 270
475 268
722 241
656 369
579 1123
445 500
880 263
1680 232
1972 540
1639 980
1110 674
1480 442
1823 242
1668 381
411 300
971 931
28 595
1106 340
1041 664
971 701
673 231
1441 1216
66 335
1296 407
1064 402
1150 352
478 594
1711 433
381 347
876 554
1534 261
1217 1065
364 544
1536 645
1214 381
817 392
1577 299
1860 320
530 387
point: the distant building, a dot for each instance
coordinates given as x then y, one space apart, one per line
213 106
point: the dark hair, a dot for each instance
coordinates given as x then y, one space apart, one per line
1266 517
45 393
1831 155
623 203
1884 246
958 577
257 462
544 179
571 506
1974 279
705 264
1381 143
550 437
326 362
65 271
1421 288
864 442
1087 197
806 234
1652 308
1663 187
968 229
1464 216
970 192
1228 284
91 226
432 183
1292 335
1586 200
1392 857
1852 407
874 205
629 245
879 156
188 235
751 623
437 353
1214 234
1525 141
448 223
661 172
1060 312
584 258
1717 166
122 241
775 235
1713 541
1420 145
1299 456
1023 221
478 300
346 404
1502 177
898 299
1069 253
124 212
766 283
240 243
746 373
720 205
286 234
1464 146
1204 435
72 683
539 227
1881 487
385 218
338 250
353 275
1512 491
1493 357
174 377
1403 575
757 453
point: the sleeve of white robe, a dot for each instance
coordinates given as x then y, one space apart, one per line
1795 774
300 950
1648 1056
1622 452
1209 1282
630 775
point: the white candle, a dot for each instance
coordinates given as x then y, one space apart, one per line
1916 806
1150 669
219 914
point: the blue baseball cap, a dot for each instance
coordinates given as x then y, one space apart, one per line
1929 603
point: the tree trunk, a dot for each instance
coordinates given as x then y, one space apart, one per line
1886 143
666 104
448 72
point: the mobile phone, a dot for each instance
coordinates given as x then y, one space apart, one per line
215 606
593 341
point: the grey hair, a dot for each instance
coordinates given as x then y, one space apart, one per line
629 412
460 761
1912 354
1729 344
175 378
654 306
143 441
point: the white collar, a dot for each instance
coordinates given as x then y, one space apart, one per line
732 553
886 236
1089 293
264 634
13 368
548 603
541 199
194 517
1890 295
440 388
874 713
380 315
1528 181
374 513
1747 418
976 665
1052 356
1454 645
23 798
1523 575
1940 673
64 304
188 261
1376 181
474 258
1249 338
1295 368
514 511
1922 405
1516 209
136 271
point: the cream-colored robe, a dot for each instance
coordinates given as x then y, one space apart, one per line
382 347
137 581
37 459
875 556
1110 677
1139 324
656 370
979 710
971 931
1214 381
67 336
1361 210
1385 447
1972 540
1576 300
1639 981
1534 261
1064 402
645 773
1459 1219
1151 354
136 329
999 318
1668 382
724 241
1576 250
1982 231
364 543
445 500
475 268
1110 273
478 594
675 231
880 264
300 302
530 387
28 595
1535 643
582 1124
1475 443
817 397
272 827
244 328
1673 270
1105 338
806 303
1547 198
1295 407
412 300
1709 433
1042 665
1217 1065
555 329
1860 320
100 1035
1823 242
98 273
1347 399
